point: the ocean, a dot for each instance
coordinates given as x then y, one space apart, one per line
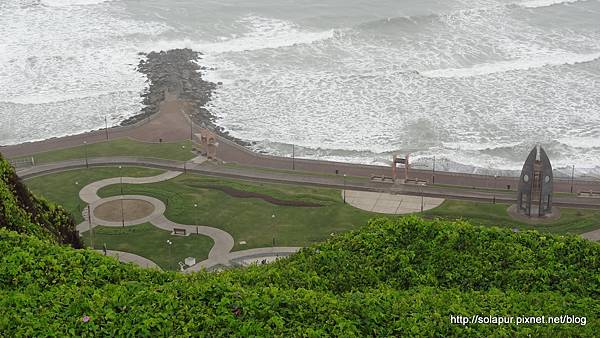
474 84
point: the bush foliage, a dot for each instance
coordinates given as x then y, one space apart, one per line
394 277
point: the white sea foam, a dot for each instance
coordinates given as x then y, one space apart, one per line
546 3
265 33
535 61
63 3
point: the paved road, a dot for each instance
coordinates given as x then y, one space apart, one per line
333 181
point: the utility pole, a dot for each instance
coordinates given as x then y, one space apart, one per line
494 198
572 177
90 224
344 188
433 172
273 230
196 214
121 186
86 154
293 157
106 126
422 198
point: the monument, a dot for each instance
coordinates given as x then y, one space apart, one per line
208 143
536 185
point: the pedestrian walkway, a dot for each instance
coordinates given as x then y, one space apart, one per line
219 255
386 203
127 257
592 235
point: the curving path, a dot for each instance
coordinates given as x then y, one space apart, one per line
127 257
219 255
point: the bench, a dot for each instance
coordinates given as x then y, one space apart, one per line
590 193
381 178
178 231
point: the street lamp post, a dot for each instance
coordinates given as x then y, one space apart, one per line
494 192
86 154
422 198
169 243
433 172
572 177
344 189
273 230
106 126
196 214
121 186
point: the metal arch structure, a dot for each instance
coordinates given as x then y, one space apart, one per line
536 185
208 143
397 160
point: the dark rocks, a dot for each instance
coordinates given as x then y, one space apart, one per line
177 72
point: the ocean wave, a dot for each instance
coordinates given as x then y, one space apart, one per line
64 3
265 33
535 61
546 3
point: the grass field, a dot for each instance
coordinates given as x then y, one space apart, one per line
251 219
571 221
150 242
63 188
180 151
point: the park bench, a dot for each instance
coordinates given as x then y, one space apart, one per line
589 193
381 178
179 231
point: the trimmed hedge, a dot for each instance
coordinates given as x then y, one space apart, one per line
395 277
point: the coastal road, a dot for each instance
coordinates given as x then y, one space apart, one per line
331 181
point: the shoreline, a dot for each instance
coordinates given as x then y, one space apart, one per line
177 72
175 78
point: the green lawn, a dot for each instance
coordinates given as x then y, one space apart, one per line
150 242
180 151
63 188
571 221
349 178
250 219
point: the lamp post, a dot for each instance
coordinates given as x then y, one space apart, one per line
273 231
494 192
106 126
293 157
344 191
572 177
433 172
422 198
196 214
169 243
121 186
86 154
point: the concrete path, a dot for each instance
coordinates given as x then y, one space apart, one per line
245 257
592 235
223 241
89 193
389 203
127 257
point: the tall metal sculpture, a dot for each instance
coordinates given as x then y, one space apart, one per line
536 185
397 160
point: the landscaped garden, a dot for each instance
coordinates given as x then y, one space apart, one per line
63 188
255 214
150 242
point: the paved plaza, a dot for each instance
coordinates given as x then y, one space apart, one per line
386 203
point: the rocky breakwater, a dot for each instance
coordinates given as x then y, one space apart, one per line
177 72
